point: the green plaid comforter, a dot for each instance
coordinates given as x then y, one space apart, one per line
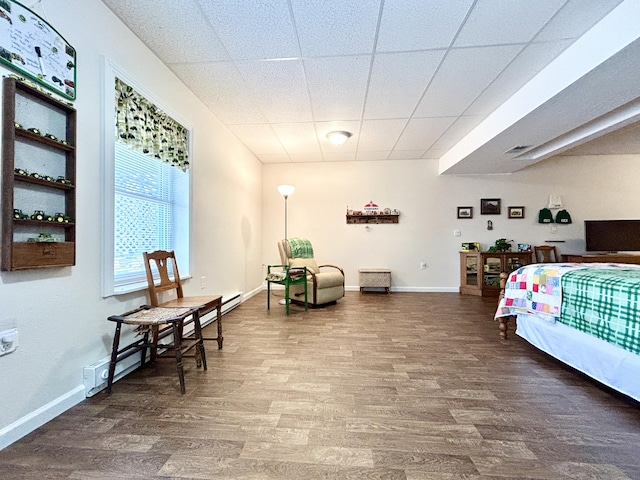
604 303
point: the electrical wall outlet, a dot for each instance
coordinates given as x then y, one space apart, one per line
423 265
8 341
203 283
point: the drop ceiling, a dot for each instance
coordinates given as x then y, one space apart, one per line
411 79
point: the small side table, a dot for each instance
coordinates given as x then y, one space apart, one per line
284 277
149 319
375 278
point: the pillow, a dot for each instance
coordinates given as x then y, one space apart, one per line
310 263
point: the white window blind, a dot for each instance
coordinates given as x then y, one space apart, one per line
151 212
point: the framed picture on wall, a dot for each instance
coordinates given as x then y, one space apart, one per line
465 212
489 206
516 212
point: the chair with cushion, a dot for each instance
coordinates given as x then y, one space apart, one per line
546 254
325 283
164 263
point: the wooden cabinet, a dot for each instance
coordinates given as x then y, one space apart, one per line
480 271
38 179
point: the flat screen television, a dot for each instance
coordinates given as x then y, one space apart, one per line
612 235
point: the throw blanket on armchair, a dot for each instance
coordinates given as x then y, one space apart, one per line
300 248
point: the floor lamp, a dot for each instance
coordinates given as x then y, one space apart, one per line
285 191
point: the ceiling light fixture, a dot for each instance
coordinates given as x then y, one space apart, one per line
338 137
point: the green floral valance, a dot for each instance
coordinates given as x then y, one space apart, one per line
145 128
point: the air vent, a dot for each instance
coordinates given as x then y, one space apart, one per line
517 149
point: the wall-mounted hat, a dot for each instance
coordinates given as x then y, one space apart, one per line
563 217
545 216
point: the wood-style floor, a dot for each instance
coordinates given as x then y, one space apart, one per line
400 386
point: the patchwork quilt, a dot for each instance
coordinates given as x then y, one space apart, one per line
535 289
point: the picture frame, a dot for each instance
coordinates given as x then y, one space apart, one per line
516 212
489 206
465 212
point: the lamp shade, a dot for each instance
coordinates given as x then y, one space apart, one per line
338 137
285 190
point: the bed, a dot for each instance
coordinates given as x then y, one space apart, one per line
586 315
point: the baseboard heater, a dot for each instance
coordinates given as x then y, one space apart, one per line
95 375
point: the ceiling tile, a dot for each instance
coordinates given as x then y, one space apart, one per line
339 156
420 133
464 74
221 87
458 130
407 25
337 86
497 22
264 158
336 27
253 29
406 154
259 138
433 154
279 88
378 135
192 39
306 157
372 156
398 81
575 19
297 138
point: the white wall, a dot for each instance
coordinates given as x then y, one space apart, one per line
597 187
60 313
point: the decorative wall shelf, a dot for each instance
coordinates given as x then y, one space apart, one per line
38 179
364 219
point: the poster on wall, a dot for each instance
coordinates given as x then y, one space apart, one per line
29 45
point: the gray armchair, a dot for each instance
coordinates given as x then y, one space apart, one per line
325 283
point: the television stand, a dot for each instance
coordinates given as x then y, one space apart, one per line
601 258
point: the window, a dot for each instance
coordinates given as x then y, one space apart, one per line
147 186
151 213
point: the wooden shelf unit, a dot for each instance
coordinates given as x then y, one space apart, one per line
48 154
480 271
380 219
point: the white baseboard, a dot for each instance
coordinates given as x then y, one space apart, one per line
393 289
27 424
413 289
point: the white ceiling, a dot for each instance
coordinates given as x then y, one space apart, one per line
409 78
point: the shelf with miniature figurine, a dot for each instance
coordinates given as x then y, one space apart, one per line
38 178
373 218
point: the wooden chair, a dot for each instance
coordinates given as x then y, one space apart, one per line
202 305
546 254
